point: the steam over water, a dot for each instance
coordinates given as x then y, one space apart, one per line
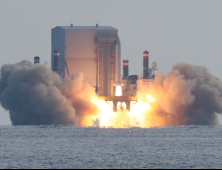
34 95
188 95
72 147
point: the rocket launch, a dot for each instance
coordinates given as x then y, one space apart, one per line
85 85
118 76
34 95
118 63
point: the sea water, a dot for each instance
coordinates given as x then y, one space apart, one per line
76 147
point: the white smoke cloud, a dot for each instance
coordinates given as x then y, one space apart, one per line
34 95
187 95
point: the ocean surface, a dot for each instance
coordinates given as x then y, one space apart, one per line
75 147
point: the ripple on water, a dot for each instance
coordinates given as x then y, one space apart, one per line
75 147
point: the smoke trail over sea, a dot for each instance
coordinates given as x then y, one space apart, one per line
188 95
34 95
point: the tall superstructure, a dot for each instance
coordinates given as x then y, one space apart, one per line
95 51
90 50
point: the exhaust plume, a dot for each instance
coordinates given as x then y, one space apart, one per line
188 95
34 95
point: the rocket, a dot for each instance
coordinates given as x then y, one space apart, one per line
118 76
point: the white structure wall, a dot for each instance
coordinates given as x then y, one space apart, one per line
79 47
143 84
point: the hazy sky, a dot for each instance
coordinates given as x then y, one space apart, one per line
172 30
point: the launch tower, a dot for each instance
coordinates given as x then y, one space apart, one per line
90 50
95 51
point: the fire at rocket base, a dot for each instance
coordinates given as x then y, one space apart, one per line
118 80
118 63
37 95
118 99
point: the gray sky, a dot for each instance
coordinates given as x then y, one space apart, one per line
173 30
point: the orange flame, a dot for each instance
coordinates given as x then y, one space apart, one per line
118 91
138 116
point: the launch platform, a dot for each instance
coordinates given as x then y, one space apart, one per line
116 102
95 51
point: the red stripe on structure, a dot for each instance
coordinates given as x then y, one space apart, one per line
146 52
125 61
125 66
145 57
